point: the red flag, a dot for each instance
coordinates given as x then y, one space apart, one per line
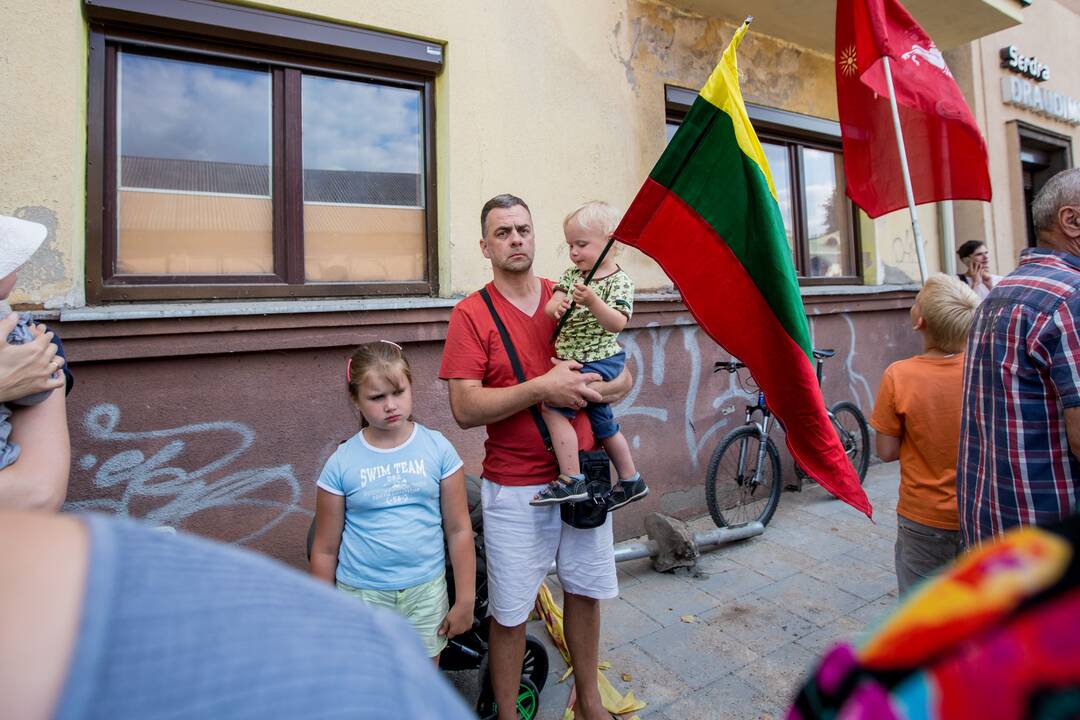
946 152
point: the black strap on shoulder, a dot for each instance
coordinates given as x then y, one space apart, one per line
515 363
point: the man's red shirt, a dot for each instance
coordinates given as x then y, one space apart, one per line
514 453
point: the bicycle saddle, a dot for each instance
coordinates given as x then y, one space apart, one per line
822 353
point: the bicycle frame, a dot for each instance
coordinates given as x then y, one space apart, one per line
763 428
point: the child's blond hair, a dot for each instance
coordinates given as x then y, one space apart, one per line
594 215
947 305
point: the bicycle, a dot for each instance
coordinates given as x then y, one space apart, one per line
850 425
748 457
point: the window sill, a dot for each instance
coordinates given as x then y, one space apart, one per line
171 330
172 310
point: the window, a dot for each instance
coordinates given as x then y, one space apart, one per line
219 171
808 173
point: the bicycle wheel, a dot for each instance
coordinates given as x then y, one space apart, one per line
735 491
854 435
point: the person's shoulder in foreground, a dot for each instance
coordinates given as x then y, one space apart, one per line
116 620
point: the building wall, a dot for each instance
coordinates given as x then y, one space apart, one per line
221 426
217 419
1049 32
531 96
43 143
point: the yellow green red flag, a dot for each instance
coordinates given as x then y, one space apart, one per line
708 214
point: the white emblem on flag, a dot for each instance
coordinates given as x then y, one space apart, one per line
932 56
848 62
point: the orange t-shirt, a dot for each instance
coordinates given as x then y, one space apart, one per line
920 401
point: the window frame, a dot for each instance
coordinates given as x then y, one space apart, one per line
792 130
165 36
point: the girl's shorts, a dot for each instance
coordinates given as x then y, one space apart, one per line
424 606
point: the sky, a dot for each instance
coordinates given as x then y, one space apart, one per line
178 109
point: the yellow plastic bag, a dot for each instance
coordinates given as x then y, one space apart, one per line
615 703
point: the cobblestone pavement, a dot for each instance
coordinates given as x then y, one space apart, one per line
762 610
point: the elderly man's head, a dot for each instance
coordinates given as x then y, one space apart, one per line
1056 212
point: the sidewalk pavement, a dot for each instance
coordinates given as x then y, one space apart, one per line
763 609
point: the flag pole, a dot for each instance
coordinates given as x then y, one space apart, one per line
919 253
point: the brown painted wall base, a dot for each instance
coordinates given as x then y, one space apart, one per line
220 426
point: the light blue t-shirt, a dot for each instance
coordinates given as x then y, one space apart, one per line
393 536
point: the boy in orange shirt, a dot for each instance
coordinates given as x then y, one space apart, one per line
917 418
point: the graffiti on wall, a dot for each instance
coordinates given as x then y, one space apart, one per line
647 358
206 476
168 493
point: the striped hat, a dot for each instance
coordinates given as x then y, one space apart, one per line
19 239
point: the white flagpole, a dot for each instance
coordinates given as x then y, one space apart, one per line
919 253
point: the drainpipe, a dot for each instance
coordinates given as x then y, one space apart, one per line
948 237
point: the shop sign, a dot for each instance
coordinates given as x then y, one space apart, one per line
1020 92
1011 59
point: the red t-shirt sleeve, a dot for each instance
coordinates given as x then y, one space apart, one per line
465 355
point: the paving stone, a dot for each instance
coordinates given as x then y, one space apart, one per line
870 614
877 551
777 561
666 602
866 580
650 681
642 567
810 540
729 697
732 583
715 561
553 699
810 598
843 629
698 653
626 579
780 674
819 574
621 622
759 624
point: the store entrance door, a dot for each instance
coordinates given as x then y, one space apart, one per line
1042 155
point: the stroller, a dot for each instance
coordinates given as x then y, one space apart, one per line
468 651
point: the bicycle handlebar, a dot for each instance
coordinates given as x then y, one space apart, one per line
730 365
733 365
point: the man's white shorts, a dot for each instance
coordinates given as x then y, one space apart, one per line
522 541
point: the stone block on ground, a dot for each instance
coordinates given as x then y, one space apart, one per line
674 542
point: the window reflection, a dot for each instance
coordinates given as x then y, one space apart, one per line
828 223
780 169
364 202
194 168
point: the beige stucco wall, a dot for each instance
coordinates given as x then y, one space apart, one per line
557 102
1049 32
43 140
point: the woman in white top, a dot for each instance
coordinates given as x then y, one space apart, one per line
975 255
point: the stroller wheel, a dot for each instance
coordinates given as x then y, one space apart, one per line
534 666
528 702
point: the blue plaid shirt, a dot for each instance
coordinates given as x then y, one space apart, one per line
1022 371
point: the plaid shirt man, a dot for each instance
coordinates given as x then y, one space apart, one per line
1022 370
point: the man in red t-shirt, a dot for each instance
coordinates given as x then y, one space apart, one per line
522 541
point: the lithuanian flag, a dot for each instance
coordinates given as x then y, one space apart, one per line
708 215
